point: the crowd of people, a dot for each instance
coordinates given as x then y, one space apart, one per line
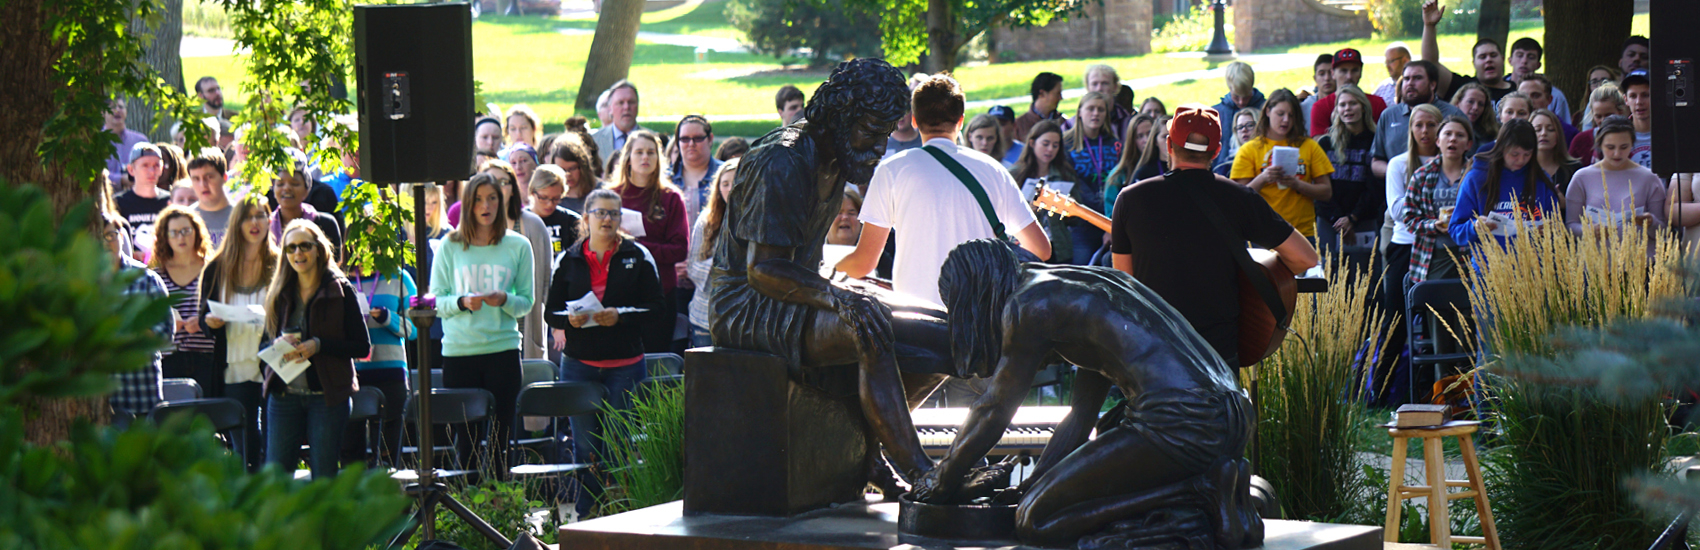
1424 165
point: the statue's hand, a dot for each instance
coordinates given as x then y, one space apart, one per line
1008 497
931 489
865 314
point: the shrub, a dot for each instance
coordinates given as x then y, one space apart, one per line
503 504
1404 18
1556 476
68 326
1190 32
1309 416
827 28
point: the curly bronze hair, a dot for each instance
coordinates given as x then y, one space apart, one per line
862 86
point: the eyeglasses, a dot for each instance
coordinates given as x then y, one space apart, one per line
1245 126
687 140
545 198
1598 81
298 247
181 233
603 213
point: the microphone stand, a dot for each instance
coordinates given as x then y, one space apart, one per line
427 489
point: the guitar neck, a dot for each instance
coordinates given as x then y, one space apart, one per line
1091 216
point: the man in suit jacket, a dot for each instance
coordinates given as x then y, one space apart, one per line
622 114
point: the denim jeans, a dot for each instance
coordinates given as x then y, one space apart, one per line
587 429
291 417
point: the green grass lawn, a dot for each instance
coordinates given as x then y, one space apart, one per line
526 60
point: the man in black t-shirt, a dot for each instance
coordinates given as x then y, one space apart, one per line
1162 236
1487 55
141 203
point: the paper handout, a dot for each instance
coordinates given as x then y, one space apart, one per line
589 305
273 356
631 221
252 313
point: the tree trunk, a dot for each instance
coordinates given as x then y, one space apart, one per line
32 49
941 37
164 54
1579 35
1495 23
610 50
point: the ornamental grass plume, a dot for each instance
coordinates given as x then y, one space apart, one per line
1309 409
1564 446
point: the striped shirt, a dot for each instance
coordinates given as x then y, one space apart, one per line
390 336
188 306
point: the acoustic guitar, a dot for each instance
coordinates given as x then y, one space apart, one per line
1260 332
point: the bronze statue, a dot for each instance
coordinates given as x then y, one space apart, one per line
1169 472
766 291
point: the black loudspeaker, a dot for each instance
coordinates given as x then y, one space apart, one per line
1676 92
415 92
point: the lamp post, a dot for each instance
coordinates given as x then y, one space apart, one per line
1219 44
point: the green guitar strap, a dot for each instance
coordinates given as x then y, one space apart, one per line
973 187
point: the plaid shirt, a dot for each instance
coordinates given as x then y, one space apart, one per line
1422 215
138 391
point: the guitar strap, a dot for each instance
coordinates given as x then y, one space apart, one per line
973 186
1253 272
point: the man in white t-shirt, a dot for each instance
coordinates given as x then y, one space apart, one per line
932 210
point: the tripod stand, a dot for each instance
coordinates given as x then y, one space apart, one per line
428 490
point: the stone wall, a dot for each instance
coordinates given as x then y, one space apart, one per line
1115 28
1266 23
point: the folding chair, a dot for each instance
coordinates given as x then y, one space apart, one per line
663 364
225 413
556 400
449 407
180 389
366 413
1440 315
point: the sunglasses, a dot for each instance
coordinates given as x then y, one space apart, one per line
181 233
604 213
298 247
692 139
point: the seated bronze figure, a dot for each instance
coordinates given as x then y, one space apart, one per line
1169 473
766 291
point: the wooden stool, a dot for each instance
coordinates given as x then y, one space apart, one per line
1437 491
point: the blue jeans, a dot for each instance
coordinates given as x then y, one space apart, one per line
587 430
291 417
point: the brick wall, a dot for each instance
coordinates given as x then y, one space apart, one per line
1116 28
1266 23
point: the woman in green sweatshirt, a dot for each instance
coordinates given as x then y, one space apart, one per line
482 281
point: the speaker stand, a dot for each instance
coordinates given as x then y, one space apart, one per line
428 490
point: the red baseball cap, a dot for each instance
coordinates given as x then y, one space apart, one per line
1348 55
1195 118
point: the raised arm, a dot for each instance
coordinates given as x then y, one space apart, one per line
1431 44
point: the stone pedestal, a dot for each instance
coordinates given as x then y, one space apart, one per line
759 443
861 526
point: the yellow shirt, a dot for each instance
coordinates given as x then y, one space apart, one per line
1297 209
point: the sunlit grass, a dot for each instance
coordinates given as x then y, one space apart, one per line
526 60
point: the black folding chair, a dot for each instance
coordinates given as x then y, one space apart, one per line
366 413
1440 317
225 413
180 389
557 400
663 364
449 407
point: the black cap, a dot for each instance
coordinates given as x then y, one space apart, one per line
1637 76
1003 112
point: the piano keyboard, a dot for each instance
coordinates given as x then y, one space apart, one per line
1026 434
